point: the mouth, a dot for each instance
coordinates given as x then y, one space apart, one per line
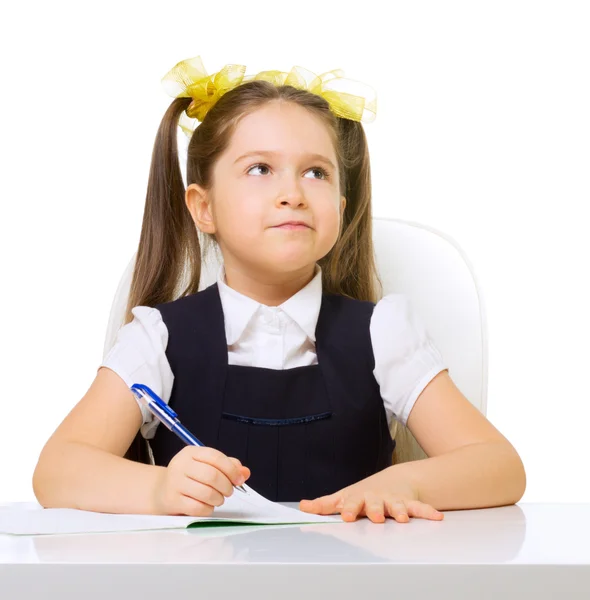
295 225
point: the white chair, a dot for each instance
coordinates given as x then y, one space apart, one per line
432 270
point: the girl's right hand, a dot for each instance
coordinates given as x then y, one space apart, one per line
196 480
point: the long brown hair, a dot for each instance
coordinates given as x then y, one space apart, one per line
170 251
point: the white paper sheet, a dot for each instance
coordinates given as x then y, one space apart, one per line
238 508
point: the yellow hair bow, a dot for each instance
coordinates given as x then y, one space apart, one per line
189 79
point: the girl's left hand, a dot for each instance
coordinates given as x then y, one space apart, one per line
375 497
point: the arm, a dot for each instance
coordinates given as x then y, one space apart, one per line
81 465
471 464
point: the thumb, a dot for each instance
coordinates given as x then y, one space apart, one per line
325 505
245 471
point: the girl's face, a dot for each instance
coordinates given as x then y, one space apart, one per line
289 176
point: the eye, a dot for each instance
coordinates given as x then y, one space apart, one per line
324 173
260 166
321 170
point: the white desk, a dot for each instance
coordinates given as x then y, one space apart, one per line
526 551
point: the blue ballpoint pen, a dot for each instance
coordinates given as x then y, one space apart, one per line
166 415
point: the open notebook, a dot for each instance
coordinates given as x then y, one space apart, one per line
238 509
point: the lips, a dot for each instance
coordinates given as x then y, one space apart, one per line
293 225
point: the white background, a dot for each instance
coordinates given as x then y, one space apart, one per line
482 131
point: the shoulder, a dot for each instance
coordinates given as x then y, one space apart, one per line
346 306
188 304
139 348
396 320
394 307
189 308
346 321
145 329
399 334
144 315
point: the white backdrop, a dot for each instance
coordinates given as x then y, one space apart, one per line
482 131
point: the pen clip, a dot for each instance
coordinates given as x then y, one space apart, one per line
144 389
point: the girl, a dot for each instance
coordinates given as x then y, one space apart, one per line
287 368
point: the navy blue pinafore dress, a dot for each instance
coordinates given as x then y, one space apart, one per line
303 432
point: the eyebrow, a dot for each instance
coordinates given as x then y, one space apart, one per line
318 157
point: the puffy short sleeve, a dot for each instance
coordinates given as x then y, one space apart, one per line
139 356
406 359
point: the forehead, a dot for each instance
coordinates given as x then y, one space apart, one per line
283 127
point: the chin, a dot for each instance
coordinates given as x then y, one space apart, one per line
289 264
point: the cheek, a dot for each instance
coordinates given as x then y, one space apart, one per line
329 216
239 220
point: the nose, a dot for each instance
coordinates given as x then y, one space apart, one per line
291 195
294 201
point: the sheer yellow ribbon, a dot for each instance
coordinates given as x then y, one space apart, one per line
189 79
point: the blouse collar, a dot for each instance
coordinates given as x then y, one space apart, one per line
303 307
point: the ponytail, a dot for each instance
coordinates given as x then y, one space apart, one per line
349 269
169 238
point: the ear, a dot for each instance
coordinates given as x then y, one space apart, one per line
342 206
199 205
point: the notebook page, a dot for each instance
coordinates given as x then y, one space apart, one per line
241 508
254 508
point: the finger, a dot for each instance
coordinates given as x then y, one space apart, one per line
397 509
201 492
351 507
193 508
204 473
245 471
220 461
374 508
424 511
325 505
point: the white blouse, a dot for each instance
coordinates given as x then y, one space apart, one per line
283 337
